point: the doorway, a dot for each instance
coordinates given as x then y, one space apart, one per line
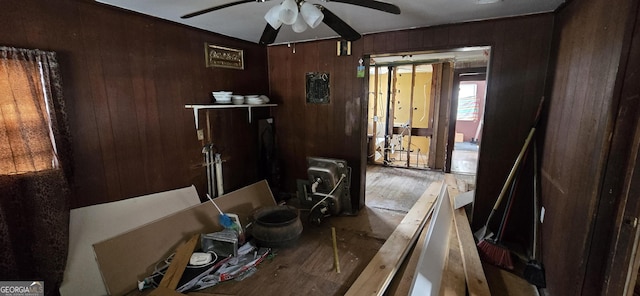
414 116
467 107
399 108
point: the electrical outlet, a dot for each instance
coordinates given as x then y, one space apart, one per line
542 215
200 134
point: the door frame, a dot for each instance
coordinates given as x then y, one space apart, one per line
459 75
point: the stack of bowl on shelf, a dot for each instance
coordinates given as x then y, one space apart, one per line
226 97
256 99
222 97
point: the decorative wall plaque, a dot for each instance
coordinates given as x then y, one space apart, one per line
223 57
318 87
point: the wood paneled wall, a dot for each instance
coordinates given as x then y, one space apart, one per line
588 40
325 130
126 79
520 51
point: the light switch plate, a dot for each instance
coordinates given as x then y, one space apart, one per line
200 134
542 211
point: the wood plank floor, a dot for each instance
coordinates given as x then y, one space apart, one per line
307 268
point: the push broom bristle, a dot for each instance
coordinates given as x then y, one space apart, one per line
495 254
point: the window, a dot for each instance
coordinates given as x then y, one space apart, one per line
467 102
26 141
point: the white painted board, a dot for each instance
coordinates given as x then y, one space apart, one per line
463 199
428 274
92 224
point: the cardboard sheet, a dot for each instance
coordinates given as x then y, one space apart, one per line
131 256
92 224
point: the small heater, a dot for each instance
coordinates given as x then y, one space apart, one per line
326 192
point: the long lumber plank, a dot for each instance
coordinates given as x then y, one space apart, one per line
401 283
375 278
453 279
476 280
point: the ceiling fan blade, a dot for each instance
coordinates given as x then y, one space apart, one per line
382 6
210 9
269 35
339 26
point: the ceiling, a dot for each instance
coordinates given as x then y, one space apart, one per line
246 21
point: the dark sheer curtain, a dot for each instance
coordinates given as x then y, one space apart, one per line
35 164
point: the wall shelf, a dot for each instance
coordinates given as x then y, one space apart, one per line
198 107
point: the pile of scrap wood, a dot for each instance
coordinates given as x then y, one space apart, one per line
431 252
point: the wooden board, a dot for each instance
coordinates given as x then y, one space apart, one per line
376 276
401 283
453 279
172 276
474 274
130 256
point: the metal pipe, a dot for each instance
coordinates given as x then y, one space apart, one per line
206 150
218 164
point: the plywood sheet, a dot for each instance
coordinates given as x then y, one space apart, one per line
92 224
128 257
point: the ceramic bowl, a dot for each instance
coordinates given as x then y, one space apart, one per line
222 96
237 100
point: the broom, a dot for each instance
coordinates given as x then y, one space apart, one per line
534 270
482 234
493 251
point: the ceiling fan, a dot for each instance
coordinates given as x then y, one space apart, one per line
300 13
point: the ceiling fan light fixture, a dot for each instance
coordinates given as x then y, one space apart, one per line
289 12
273 17
311 14
300 25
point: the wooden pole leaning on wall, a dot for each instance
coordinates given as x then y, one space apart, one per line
377 275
